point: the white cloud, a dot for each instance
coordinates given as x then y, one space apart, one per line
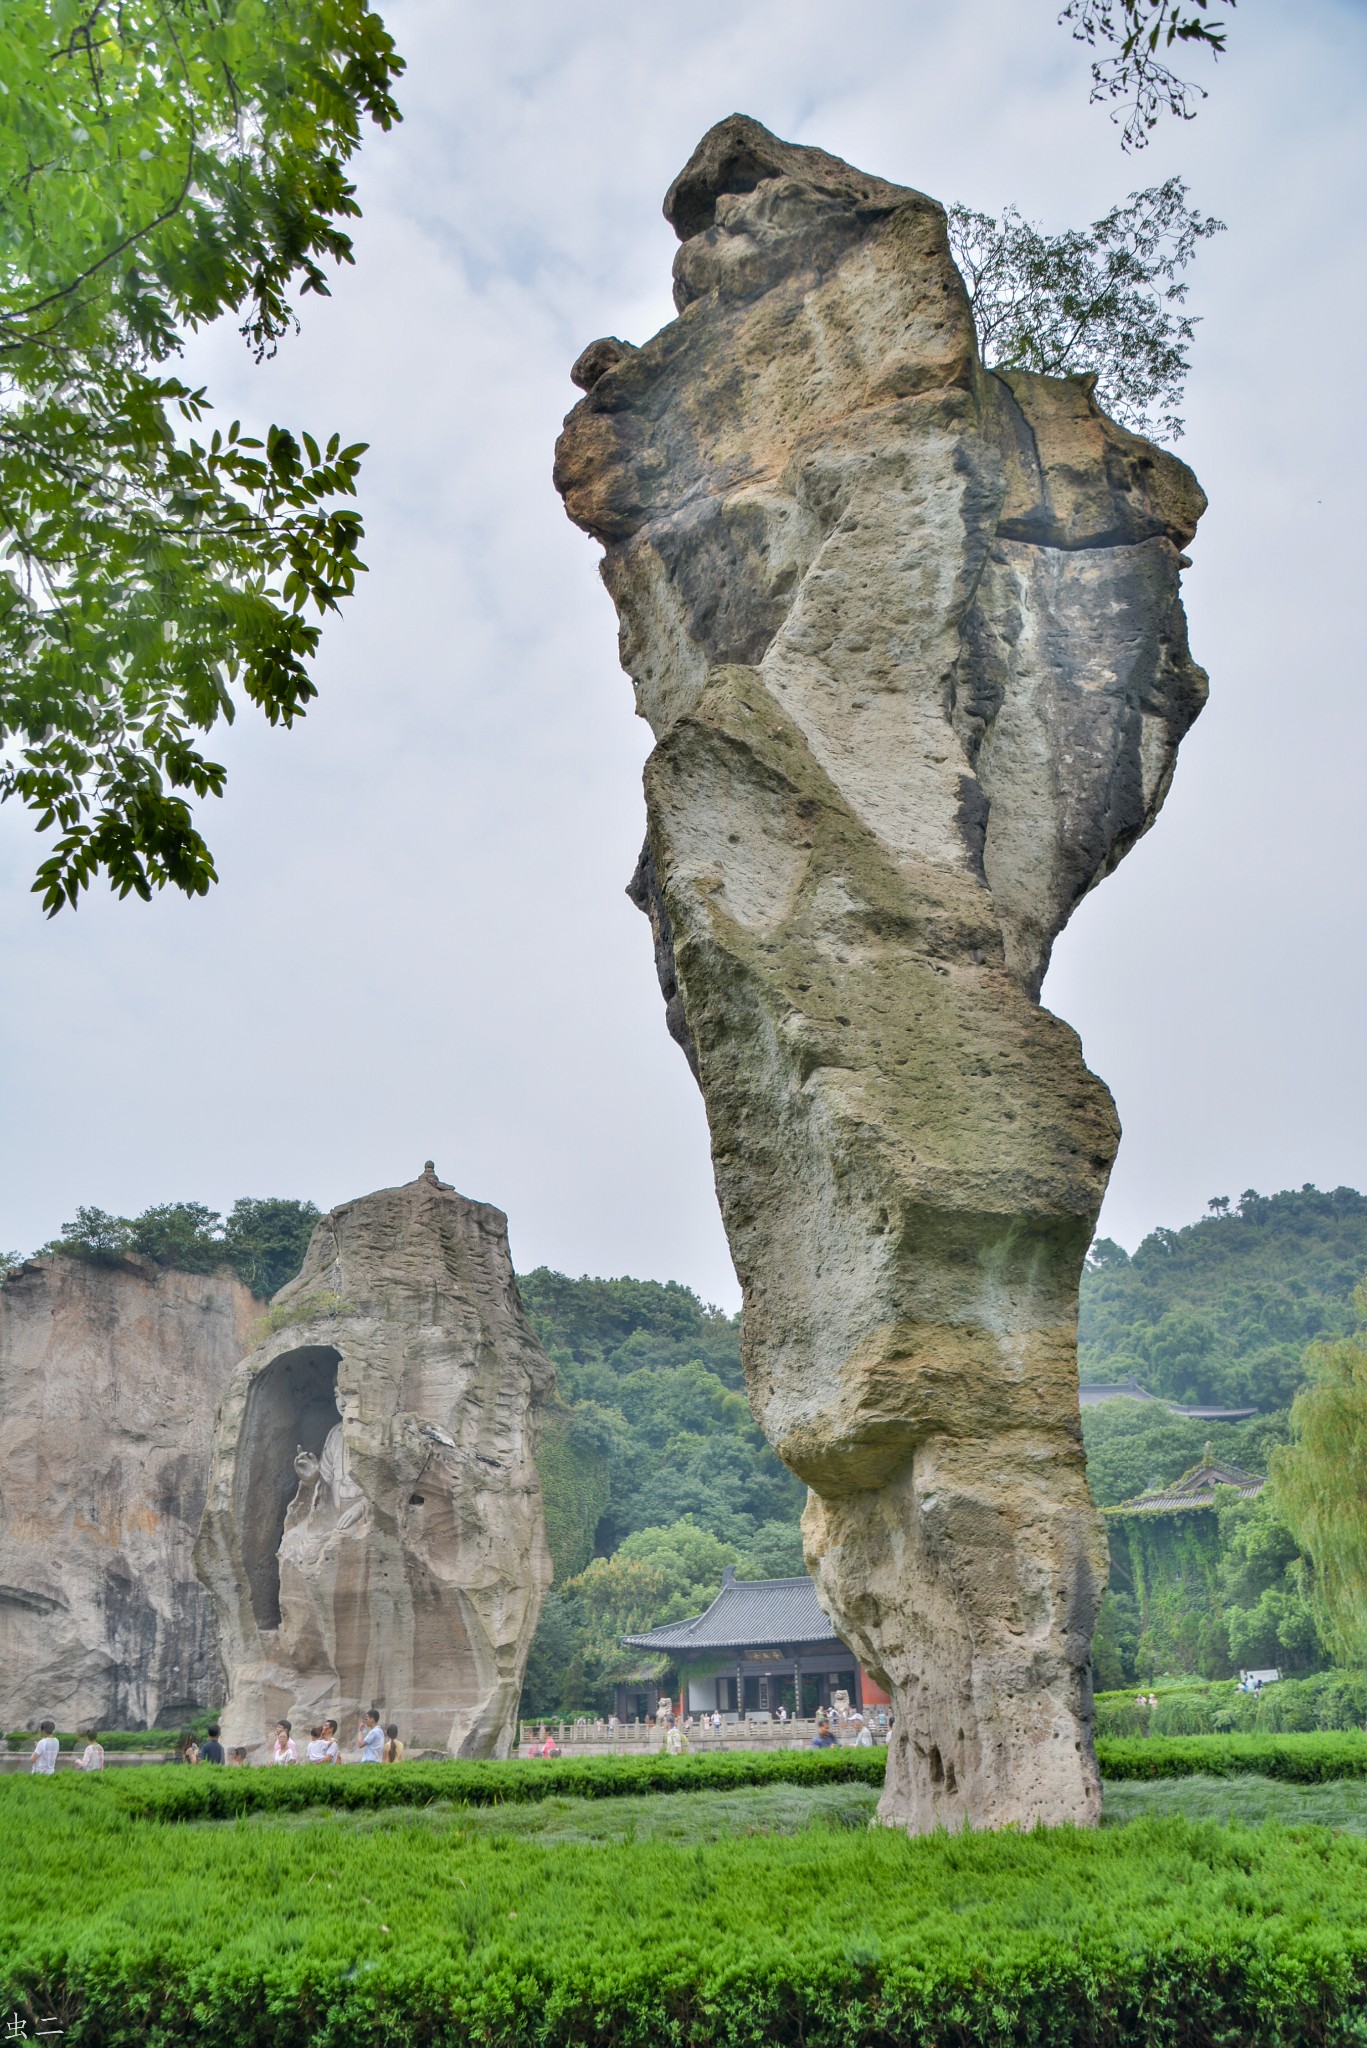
420 943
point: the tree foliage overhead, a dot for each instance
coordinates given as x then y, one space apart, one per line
1221 1311
263 1240
1105 301
162 162
1139 35
1320 1480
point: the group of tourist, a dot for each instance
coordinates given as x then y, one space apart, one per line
377 1745
43 1761
190 1750
831 1724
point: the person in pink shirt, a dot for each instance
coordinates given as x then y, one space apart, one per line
284 1751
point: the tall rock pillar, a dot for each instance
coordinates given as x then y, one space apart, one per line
373 1531
910 639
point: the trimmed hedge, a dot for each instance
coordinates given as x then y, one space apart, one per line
1295 1759
176 1792
205 1792
138 1936
120 1742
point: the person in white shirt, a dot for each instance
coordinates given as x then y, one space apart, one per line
284 1751
370 1736
317 1751
43 1762
92 1757
334 1754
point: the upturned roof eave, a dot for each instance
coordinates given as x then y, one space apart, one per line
666 1638
1180 1504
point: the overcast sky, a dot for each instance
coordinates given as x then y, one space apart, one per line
420 945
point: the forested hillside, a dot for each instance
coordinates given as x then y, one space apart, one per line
653 1377
655 1476
1220 1312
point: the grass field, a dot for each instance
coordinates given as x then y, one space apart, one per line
766 1915
1249 1801
703 1817
789 1809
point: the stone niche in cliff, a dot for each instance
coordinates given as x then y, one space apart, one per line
373 1533
109 1378
910 639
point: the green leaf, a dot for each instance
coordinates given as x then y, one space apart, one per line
161 164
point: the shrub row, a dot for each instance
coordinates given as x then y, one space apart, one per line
1295 1759
175 1793
1329 1700
172 1792
118 1742
135 1936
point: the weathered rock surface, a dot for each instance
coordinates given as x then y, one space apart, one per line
109 1378
373 1533
910 639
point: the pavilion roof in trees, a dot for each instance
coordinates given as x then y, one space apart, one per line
1195 1489
1092 1393
746 1614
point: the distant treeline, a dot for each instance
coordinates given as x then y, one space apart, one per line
1220 1313
668 1478
656 1477
263 1239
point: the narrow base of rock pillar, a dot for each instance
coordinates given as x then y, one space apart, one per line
969 1589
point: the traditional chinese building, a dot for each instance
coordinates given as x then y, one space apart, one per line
762 1644
1196 1490
1165 1551
1092 1393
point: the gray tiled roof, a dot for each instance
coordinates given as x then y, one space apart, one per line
747 1613
1093 1392
1195 1489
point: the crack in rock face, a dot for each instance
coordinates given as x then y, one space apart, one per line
109 1378
910 639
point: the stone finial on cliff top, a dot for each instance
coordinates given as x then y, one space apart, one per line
910 639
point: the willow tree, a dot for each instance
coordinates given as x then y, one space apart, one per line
162 162
1320 1484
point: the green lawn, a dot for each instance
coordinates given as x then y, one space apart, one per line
701 1817
764 1916
1341 1804
789 1809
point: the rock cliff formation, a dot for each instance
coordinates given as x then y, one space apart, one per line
373 1532
909 637
109 1378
